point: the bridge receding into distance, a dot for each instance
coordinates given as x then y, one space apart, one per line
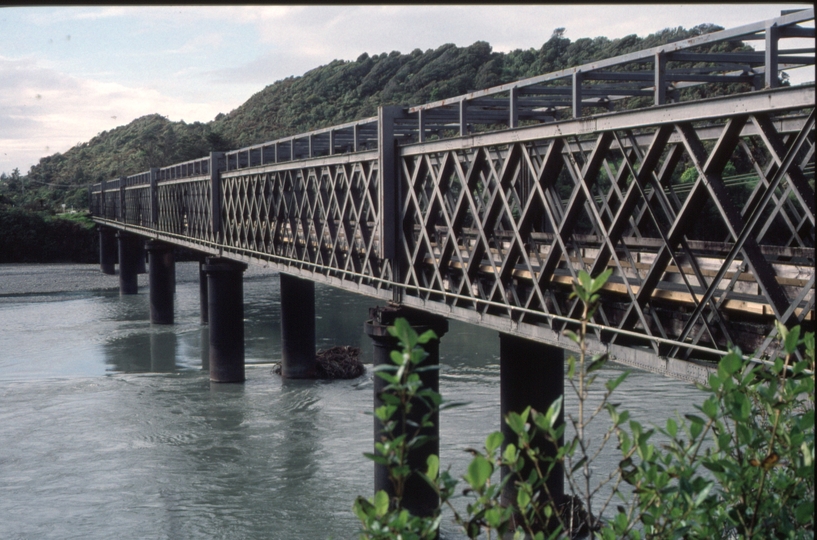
484 207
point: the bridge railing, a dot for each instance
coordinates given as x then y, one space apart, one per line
498 225
493 227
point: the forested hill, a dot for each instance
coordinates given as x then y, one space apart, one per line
338 92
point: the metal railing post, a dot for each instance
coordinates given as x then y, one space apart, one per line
772 36
577 94
215 194
121 216
660 78
154 197
390 191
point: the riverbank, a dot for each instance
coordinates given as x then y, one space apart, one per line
17 279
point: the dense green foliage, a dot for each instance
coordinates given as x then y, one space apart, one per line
742 468
27 236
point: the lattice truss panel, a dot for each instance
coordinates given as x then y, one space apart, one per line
185 208
324 218
110 204
699 223
137 206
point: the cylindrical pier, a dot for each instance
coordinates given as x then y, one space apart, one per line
108 251
128 262
225 304
141 266
162 278
297 328
531 374
203 308
418 497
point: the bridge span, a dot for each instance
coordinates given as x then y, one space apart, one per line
484 207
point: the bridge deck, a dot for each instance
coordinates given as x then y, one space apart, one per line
704 209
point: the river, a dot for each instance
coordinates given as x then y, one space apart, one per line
110 428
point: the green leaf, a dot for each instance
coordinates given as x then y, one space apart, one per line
572 336
672 427
522 499
710 407
479 470
731 363
494 441
571 366
578 465
695 419
516 422
804 511
433 466
597 283
597 362
613 383
509 454
792 339
426 336
381 503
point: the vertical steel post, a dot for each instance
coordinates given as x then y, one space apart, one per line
162 278
128 262
772 37
154 197
215 195
577 94
122 214
418 497
297 328
463 118
660 78
421 125
103 207
530 374
108 254
389 200
513 108
225 299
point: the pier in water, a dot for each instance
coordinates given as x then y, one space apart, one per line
112 428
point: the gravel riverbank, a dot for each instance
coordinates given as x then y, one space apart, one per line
16 279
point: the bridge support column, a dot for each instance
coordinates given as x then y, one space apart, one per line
128 262
108 254
418 497
162 279
225 306
297 328
203 309
531 374
141 266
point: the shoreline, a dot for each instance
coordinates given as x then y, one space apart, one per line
42 278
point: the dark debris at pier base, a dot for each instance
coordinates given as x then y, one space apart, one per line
338 362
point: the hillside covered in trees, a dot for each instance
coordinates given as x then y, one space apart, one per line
338 92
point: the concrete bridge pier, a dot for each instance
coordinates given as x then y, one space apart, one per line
162 281
531 374
225 306
297 328
108 254
128 262
418 497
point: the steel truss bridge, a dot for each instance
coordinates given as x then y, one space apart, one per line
484 207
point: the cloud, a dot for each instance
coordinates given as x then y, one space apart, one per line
72 109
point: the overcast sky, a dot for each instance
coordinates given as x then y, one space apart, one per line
69 73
